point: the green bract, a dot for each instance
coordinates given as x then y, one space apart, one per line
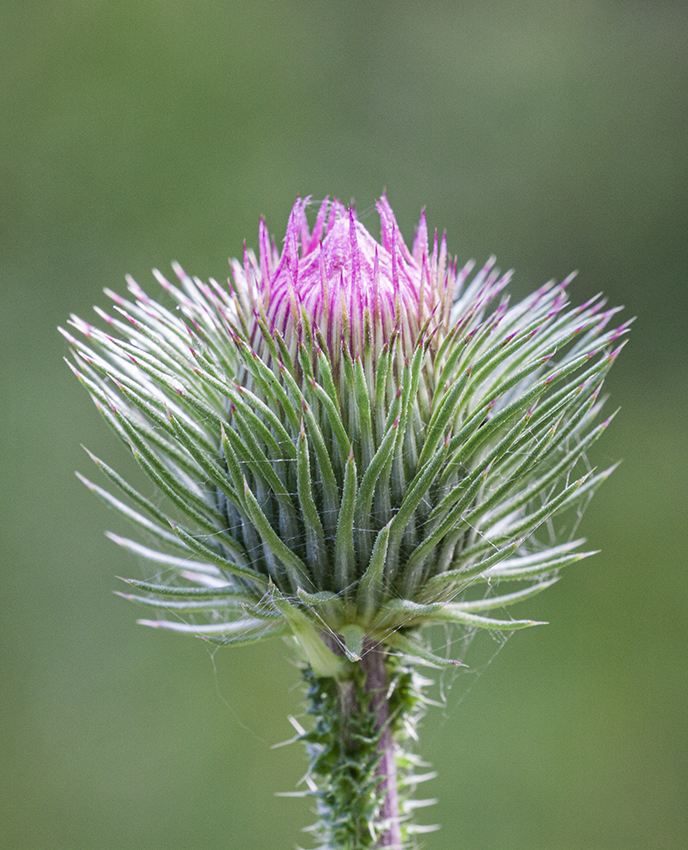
347 438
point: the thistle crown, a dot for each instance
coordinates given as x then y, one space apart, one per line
353 439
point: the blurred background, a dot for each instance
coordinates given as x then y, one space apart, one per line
134 133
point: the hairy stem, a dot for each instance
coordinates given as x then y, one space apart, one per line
377 684
358 757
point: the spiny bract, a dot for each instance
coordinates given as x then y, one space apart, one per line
348 437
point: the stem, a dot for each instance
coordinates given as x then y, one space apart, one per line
377 684
358 758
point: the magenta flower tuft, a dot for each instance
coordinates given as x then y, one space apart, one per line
353 289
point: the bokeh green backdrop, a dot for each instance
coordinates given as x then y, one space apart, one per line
135 132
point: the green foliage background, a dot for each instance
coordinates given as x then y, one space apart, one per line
133 133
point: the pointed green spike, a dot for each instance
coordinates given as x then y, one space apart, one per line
353 641
344 552
414 649
321 658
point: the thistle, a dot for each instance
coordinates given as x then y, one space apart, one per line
353 441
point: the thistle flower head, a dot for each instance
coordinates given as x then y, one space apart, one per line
352 289
352 439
